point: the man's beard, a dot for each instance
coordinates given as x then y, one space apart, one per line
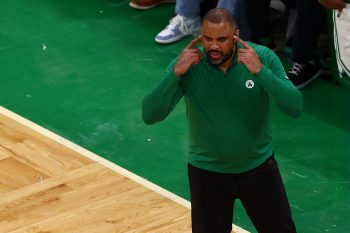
224 57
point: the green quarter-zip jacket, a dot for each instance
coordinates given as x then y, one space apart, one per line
228 113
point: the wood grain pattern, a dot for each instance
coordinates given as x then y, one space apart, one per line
46 187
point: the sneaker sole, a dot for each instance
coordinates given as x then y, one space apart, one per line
320 72
140 7
170 40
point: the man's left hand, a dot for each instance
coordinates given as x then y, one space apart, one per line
248 57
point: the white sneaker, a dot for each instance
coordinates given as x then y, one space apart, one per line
179 27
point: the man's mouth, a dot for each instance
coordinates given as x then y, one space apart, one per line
215 54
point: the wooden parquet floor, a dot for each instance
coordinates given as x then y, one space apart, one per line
50 185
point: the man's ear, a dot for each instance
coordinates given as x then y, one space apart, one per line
235 33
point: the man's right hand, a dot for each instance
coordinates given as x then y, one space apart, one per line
188 57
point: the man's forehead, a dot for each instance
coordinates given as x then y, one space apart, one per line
222 28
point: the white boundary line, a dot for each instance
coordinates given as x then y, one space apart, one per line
102 161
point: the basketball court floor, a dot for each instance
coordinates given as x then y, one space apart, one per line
75 155
49 184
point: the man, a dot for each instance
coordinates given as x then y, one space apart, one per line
228 86
340 18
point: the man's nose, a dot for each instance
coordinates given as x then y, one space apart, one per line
214 45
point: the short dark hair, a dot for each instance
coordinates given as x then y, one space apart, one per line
220 15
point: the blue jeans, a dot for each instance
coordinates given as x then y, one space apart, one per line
191 8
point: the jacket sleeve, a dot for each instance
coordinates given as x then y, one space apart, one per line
274 80
157 104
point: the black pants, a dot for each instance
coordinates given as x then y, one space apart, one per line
260 190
